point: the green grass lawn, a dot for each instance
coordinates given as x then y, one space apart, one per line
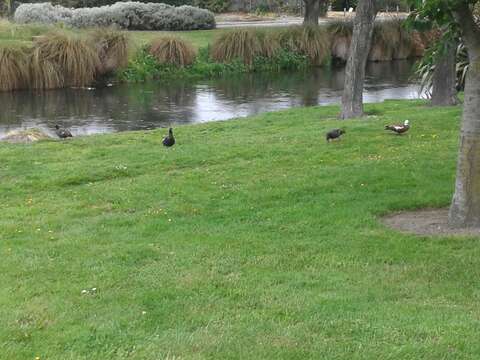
13 34
250 239
198 38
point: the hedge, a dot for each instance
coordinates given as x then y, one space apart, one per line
125 15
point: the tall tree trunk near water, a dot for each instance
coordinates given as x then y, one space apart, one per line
465 207
444 90
352 99
313 10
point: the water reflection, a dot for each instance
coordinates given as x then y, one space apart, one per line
151 105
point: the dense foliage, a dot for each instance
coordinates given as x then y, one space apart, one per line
426 67
145 66
125 15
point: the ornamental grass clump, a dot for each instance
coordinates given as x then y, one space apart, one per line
269 44
13 68
172 50
240 44
44 73
112 50
311 41
73 56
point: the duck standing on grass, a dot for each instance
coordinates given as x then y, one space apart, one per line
169 140
334 134
62 133
399 129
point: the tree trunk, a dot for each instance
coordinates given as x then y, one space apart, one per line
313 10
352 99
444 90
465 207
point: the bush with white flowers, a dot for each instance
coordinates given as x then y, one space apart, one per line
44 13
126 15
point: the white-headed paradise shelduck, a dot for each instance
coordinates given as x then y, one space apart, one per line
399 129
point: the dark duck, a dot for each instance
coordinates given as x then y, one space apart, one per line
334 134
62 133
169 140
399 129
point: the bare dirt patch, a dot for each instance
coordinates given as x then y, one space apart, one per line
430 222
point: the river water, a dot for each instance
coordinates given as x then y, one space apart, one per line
158 104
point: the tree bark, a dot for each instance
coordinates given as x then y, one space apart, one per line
465 207
352 99
444 89
313 10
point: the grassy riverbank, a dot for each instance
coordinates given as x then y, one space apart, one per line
250 239
209 53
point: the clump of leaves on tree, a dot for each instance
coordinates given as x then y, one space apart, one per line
459 15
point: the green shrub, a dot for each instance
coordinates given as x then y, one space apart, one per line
124 14
217 6
282 60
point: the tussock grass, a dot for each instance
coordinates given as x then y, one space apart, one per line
112 49
340 28
13 68
311 41
44 73
269 43
243 44
74 56
172 50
